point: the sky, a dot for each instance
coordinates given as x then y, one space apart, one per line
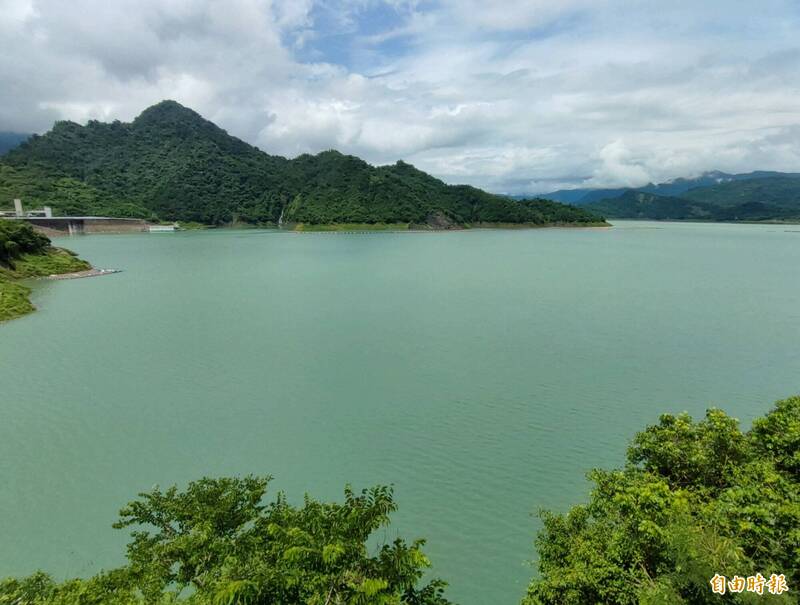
518 96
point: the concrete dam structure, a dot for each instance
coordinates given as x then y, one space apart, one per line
44 221
72 225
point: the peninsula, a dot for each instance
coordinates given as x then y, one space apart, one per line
171 164
24 253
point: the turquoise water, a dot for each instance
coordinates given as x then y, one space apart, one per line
482 373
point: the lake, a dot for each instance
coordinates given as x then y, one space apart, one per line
482 373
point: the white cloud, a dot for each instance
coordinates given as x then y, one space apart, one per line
512 96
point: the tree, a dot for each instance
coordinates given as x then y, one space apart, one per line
695 499
219 539
18 238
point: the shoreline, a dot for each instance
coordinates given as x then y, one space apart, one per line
53 262
81 274
415 228
706 222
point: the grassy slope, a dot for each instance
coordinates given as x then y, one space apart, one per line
14 297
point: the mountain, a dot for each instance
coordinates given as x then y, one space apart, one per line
9 140
676 187
570 196
755 199
643 205
780 192
172 164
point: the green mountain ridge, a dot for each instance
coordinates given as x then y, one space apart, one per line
774 198
172 164
638 204
675 187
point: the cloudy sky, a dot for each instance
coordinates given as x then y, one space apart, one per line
513 96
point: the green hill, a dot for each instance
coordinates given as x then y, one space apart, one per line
637 204
777 192
171 164
758 199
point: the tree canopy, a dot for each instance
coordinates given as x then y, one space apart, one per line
696 498
218 542
172 164
18 238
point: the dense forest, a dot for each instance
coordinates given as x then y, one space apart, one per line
756 198
171 164
641 205
697 500
18 238
27 253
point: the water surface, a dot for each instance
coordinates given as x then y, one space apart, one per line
482 373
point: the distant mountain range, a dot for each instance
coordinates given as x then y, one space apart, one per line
754 196
171 164
9 140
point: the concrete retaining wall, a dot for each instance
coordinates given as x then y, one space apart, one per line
80 224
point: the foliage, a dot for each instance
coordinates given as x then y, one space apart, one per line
695 499
53 261
14 298
777 192
172 163
26 253
636 204
756 199
220 540
18 238
68 196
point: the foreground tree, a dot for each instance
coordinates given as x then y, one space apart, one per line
219 540
696 499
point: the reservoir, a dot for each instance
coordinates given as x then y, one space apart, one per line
482 373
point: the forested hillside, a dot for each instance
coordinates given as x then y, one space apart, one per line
777 192
27 253
760 198
637 204
171 164
675 187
